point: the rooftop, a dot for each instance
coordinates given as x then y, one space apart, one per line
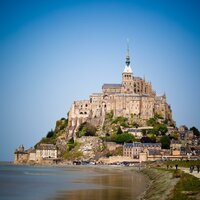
105 86
46 147
139 144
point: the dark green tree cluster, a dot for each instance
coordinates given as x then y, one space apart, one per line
195 131
121 138
122 121
50 134
165 141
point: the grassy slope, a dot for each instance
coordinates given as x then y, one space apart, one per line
171 185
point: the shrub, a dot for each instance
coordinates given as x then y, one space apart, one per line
119 131
109 115
148 140
121 138
165 141
50 134
151 122
86 129
120 121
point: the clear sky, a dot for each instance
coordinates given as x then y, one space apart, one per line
54 52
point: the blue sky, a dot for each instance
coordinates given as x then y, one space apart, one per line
54 52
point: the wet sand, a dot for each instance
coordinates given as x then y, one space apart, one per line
71 182
108 183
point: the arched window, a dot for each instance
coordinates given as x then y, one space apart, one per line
85 113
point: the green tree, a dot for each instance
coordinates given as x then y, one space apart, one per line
125 137
195 131
161 129
109 115
86 129
123 121
158 116
50 134
119 131
165 141
151 122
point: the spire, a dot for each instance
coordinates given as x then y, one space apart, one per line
127 54
127 67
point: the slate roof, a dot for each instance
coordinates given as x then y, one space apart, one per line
139 144
137 78
105 86
46 147
154 152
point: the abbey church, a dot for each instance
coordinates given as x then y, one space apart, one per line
133 97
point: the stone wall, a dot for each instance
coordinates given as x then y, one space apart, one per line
115 159
111 146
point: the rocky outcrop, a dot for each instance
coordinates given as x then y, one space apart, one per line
90 146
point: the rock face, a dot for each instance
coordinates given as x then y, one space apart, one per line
90 146
133 97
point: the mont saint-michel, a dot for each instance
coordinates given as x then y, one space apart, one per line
127 124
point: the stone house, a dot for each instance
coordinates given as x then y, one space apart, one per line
142 151
46 151
185 135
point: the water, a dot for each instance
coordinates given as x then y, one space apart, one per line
71 182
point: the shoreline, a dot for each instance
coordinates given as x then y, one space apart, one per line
101 180
160 186
149 173
161 183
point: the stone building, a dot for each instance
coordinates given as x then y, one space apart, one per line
46 151
185 135
42 152
142 151
134 96
177 148
20 155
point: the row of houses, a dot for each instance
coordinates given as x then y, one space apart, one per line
44 153
143 152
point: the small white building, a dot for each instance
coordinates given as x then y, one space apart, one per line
46 151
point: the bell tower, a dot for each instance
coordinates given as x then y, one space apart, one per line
127 75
